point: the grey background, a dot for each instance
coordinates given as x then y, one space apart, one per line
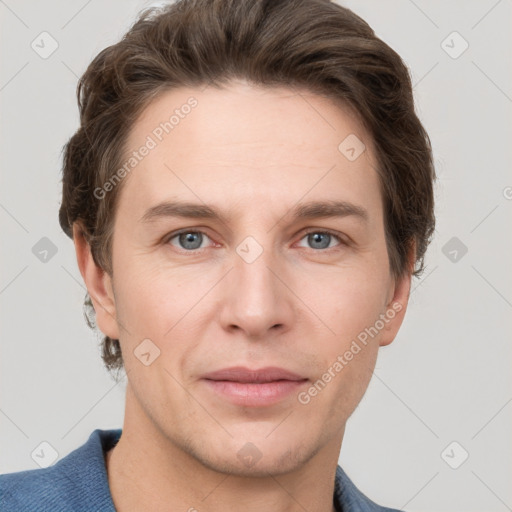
447 375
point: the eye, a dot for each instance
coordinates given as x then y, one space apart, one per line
321 239
188 240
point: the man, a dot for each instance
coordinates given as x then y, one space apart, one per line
249 194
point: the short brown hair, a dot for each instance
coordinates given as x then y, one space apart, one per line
317 45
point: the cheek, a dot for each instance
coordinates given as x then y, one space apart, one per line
161 304
353 302
140 307
353 307
349 356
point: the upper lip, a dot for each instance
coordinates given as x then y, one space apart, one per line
242 374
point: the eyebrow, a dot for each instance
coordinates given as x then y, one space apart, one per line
310 210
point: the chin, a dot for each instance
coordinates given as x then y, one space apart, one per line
253 461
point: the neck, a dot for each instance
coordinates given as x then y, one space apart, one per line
148 471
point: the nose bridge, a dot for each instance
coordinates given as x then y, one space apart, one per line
258 299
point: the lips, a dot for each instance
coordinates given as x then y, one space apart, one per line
246 375
260 388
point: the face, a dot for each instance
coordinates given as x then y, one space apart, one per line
272 281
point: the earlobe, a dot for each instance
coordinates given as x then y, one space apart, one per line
395 310
98 283
397 306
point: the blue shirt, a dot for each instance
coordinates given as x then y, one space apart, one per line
79 483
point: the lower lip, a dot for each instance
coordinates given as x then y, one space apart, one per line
255 395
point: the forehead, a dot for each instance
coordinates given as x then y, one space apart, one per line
249 145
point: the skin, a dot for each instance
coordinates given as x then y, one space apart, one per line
253 152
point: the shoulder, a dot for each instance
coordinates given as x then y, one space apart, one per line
351 499
76 482
36 489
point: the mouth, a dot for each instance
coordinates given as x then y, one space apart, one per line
254 388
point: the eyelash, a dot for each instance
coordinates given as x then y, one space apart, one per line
334 234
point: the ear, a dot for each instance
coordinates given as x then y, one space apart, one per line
98 283
398 300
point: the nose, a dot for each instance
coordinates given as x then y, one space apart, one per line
258 299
